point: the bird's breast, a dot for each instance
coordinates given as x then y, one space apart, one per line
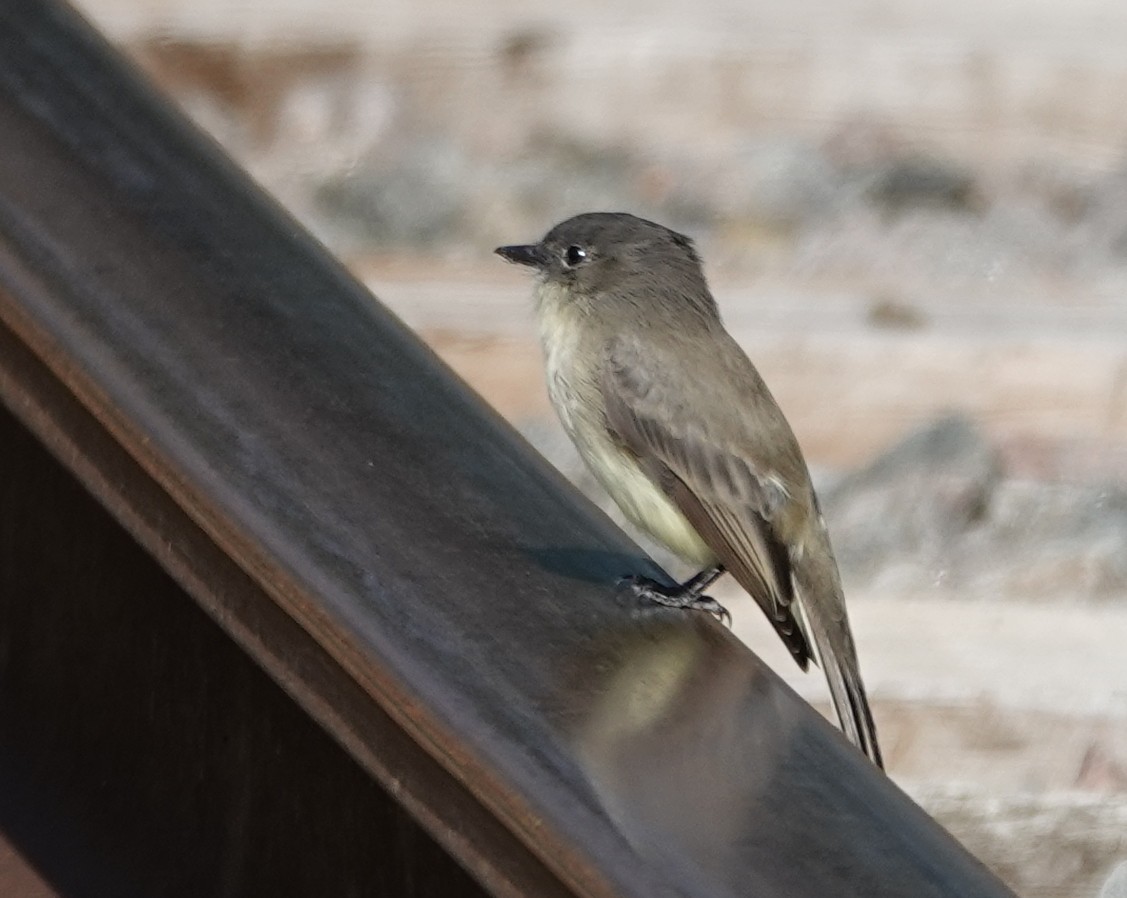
640 499
572 380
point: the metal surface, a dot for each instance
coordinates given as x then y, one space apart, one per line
253 417
143 753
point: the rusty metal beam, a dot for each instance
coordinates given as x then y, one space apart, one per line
369 534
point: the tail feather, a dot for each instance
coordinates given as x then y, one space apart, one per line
834 652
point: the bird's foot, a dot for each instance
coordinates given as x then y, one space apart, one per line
684 596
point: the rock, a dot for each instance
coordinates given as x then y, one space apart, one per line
917 181
1116 884
936 513
1054 844
774 183
913 501
414 196
1053 540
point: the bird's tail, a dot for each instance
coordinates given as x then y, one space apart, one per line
822 612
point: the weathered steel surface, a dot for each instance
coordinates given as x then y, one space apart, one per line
379 541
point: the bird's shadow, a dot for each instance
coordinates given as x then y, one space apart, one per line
595 565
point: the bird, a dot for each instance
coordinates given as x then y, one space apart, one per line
678 426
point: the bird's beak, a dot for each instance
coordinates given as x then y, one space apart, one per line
531 254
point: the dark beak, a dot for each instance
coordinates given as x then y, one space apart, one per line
532 254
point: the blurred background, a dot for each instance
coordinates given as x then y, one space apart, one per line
914 216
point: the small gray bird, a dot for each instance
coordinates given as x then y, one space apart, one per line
675 422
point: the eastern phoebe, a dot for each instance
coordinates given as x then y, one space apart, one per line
675 422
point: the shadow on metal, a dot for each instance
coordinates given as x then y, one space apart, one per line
238 427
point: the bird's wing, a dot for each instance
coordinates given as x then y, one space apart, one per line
707 471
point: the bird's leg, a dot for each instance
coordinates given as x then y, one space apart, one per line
688 595
698 584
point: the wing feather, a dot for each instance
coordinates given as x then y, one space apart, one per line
731 504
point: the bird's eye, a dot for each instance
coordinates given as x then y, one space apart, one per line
573 255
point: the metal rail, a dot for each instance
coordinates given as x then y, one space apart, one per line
421 584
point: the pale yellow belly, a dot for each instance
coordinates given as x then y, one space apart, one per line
642 502
576 400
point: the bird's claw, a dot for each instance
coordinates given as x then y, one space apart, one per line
675 597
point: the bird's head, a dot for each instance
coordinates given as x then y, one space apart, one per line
615 258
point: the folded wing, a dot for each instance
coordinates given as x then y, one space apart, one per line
730 501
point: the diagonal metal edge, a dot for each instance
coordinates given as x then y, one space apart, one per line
281 645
